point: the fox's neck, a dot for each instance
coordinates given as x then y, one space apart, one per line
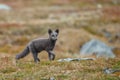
52 42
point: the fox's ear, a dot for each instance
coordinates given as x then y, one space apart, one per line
49 31
57 30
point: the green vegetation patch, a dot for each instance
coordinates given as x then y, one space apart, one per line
8 70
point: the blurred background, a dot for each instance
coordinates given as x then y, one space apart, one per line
78 21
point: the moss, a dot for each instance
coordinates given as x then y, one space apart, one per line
108 77
117 65
27 65
45 63
8 70
62 76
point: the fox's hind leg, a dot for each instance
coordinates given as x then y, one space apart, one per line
36 59
51 55
35 55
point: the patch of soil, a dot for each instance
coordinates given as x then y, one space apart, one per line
6 25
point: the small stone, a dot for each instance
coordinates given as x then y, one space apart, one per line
52 78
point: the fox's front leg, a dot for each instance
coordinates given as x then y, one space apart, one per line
51 55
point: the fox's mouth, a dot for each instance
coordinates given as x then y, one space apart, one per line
54 39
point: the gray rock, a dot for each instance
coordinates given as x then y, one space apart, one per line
52 78
74 59
98 48
110 71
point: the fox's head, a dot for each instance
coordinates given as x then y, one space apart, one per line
53 34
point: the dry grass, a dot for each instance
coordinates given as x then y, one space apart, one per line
27 69
78 21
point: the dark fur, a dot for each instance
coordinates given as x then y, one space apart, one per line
38 45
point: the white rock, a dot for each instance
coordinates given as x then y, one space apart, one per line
4 7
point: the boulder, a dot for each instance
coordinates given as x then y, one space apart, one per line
97 48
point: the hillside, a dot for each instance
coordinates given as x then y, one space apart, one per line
78 21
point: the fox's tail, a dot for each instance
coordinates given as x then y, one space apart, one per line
23 53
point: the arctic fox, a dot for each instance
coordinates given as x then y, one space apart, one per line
37 45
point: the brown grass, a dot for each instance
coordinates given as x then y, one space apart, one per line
78 21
